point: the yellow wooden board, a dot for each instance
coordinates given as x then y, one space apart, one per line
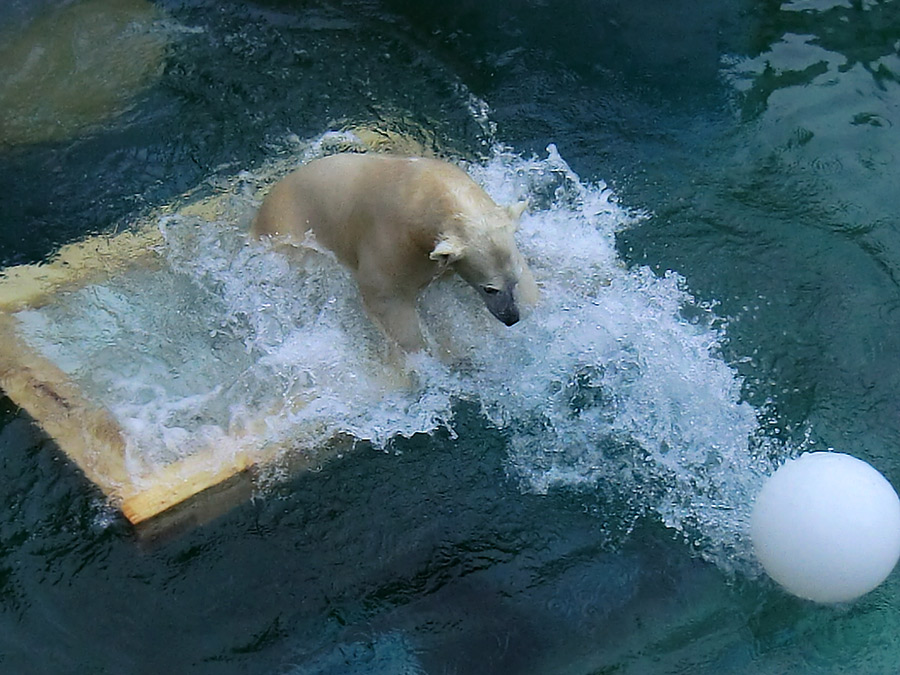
85 431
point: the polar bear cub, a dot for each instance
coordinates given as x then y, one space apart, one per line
397 223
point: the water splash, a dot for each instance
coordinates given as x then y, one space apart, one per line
609 383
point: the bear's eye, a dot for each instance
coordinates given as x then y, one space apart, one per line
490 290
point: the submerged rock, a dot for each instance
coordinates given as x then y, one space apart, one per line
76 66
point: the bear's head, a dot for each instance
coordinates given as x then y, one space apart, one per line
483 251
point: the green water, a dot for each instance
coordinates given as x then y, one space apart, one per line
760 140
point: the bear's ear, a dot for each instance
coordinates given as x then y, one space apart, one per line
515 211
447 250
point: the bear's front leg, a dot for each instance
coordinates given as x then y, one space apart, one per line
395 315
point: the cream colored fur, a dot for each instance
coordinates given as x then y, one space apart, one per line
397 223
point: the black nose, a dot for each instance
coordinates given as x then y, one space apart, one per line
502 305
511 317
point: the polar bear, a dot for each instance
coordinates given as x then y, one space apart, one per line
398 223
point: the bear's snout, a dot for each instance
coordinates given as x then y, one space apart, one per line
502 305
509 318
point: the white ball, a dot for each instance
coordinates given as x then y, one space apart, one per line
826 526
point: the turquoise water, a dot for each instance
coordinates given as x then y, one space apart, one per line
575 503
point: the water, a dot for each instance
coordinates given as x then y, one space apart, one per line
712 227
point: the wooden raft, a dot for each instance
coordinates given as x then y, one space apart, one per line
86 432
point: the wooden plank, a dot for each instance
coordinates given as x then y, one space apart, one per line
87 433
198 509
178 495
93 440
181 480
92 260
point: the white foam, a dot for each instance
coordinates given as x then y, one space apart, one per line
606 385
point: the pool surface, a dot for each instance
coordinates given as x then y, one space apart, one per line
713 224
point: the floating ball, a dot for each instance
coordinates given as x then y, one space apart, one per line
826 526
